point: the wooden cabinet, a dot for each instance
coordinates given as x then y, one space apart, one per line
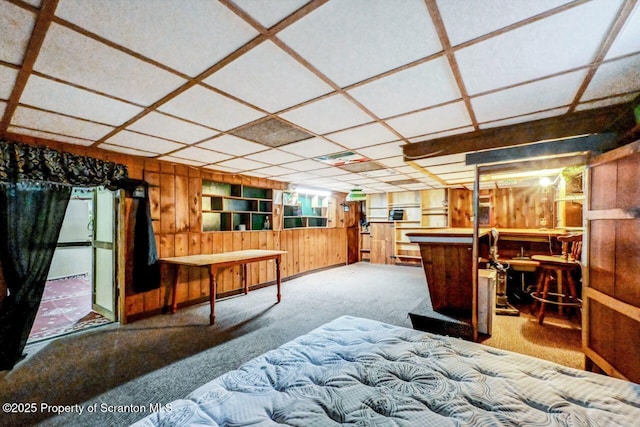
382 242
227 207
611 290
365 245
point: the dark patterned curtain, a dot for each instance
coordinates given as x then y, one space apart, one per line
35 186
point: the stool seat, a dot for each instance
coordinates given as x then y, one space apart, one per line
562 266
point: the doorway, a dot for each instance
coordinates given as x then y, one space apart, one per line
80 291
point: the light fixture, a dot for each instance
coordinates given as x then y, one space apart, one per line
356 195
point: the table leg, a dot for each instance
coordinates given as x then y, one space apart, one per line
174 299
245 282
278 277
212 294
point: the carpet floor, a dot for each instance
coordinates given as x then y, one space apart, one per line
162 358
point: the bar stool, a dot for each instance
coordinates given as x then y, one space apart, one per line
562 266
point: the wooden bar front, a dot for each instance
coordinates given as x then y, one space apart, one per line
448 265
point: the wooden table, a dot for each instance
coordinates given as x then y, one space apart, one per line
221 260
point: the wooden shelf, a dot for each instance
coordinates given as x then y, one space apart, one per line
228 207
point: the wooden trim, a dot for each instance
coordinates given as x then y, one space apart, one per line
564 126
612 214
621 307
603 364
616 154
558 162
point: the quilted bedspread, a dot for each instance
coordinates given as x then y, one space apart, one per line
363 372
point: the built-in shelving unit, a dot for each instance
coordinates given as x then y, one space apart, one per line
227 207
304 210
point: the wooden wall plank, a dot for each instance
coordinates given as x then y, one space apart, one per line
181 203
167 203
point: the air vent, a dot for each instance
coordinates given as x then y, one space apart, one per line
272 132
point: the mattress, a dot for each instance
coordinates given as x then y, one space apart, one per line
363 372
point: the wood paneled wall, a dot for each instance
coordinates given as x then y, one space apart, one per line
175 196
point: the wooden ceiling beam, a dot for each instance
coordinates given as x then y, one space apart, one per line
606 119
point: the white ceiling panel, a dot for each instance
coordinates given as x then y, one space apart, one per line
125 150
47 135
3 107
269 13
529 98
55 123
608 101
393 162
464 129
164 126
306 165
209 108
342 40
382 151
274 157
46 94
412 89
232 145
561 42
328 115
189 36
363 136
143 142
313 147
297 176
466 20
231 170
16 25
437 119
274 171
615 78
242 164
331 171
269 78
34 3
173 159
70 56
450 168
441 160
7 80
628 40
525 118
200 155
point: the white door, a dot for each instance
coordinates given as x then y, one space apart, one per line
104 253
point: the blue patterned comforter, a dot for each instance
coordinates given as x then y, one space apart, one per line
367 373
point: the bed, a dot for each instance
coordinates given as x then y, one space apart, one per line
364 372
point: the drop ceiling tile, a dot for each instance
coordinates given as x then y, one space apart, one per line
34 3
209 108
48 135
242 164
628 40
269 13
274 171
561 42
164 126
274 157
312 147
393 162
339 37
615 78
16 25
7 80
464 129
55 123
608 101
254 173
3 107
525 118
269 78
189 36
200 155
272 132
46 94
72 57
433 120
465 20
363 136
541 95
331 171
297 176
382 151
143 142
441 160
233 145
172 159
406 169
451 168
415 88
125 150
328 115
322 181
306 165
231 170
